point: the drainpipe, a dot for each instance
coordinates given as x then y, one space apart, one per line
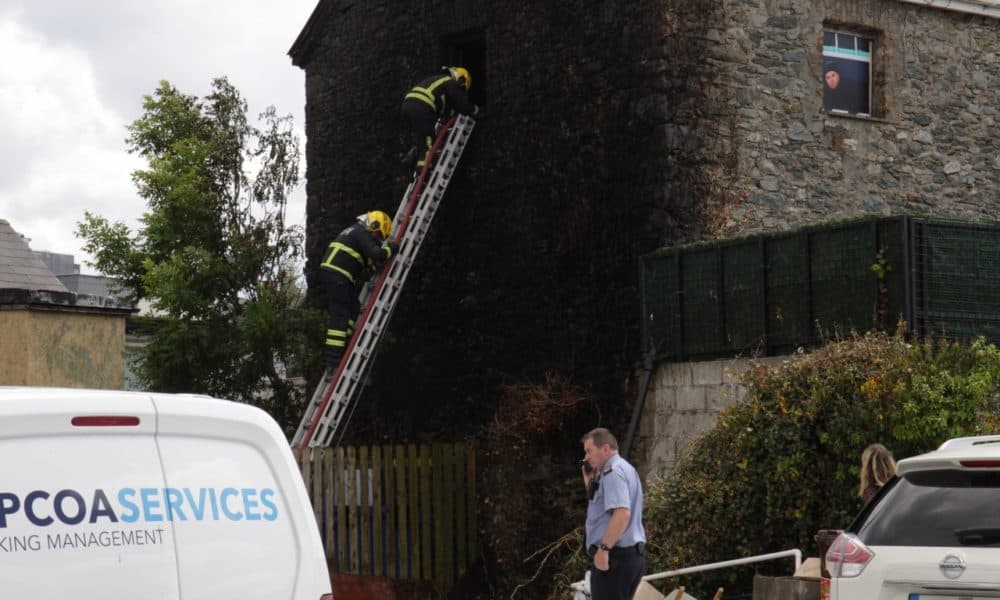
648 367
986 8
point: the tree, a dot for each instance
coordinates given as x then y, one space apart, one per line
214 255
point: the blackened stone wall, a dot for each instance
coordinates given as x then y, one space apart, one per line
531 265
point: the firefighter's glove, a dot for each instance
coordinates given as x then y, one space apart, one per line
393 247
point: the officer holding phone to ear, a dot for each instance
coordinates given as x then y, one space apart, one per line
616 538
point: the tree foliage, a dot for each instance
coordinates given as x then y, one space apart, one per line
213 255
785 462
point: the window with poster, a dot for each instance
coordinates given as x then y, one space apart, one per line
847 72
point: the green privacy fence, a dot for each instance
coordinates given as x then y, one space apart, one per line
771 294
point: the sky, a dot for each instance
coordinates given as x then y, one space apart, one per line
74 75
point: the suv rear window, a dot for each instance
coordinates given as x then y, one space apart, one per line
948 507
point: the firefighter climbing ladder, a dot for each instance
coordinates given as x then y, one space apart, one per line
332 404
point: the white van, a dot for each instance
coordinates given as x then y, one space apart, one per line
109 495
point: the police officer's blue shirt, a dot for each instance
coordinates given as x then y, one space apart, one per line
619 487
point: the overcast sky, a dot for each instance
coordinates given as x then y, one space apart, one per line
73 76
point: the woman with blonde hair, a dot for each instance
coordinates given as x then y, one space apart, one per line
877 467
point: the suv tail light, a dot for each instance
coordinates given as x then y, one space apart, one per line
847 556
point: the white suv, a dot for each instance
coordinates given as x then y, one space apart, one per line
932 533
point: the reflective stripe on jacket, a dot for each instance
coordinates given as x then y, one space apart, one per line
350 252
443 95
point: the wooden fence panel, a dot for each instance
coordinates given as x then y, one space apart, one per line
471 515
460 508
413 468
400 570
353 531
408 512
329 486
364 507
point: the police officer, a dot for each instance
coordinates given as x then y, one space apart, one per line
433 98
616 538
348 265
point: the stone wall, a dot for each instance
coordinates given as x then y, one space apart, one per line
684 400
612 128
772 157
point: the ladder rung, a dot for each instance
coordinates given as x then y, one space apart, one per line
336 398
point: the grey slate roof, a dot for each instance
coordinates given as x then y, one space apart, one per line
20 269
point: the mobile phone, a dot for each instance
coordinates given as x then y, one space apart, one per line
586 466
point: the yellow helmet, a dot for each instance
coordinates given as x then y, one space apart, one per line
461 75
377 222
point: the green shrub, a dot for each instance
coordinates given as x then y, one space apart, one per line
785 462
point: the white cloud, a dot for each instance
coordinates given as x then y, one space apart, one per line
74 76
63 150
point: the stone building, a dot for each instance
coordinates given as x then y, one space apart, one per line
615 127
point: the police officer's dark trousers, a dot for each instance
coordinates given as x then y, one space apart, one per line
343 306
421 120
620 581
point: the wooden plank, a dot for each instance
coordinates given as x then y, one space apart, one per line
425 514
461 525
378 526
446 530
471 515
340 466
365 546
316 466
413 467
402 534
389 500
353 527
437 509
328 502
307 476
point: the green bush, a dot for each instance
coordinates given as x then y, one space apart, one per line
785 462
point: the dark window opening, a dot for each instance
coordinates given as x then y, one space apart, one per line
469 50
847 72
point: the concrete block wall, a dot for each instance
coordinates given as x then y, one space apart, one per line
684 400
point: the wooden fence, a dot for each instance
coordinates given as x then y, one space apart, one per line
406 512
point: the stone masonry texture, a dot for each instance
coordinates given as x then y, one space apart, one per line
612 128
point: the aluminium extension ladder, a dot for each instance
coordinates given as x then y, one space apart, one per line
334 399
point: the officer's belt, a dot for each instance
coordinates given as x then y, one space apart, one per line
620 551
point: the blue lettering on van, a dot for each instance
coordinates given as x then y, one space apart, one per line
125 496
223 499
147 504
266 496
175 503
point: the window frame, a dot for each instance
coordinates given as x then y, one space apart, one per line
848 57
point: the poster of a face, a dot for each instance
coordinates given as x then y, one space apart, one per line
846 73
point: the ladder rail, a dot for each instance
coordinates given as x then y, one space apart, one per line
414 215
420 210
425 216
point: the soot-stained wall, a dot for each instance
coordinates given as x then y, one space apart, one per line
531 263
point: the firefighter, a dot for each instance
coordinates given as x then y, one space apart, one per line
350 262
435 98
